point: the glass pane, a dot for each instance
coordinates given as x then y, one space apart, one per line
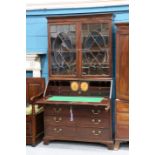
63 49
95 49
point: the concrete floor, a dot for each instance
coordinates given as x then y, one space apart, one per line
74 148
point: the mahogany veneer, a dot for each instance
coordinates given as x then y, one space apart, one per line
92 124
122 85
34 121
79 50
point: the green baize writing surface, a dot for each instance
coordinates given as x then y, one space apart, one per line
75 99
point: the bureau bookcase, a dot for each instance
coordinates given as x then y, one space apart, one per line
77 98
122 84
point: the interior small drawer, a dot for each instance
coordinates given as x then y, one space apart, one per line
122 106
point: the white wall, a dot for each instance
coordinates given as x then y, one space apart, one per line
52 4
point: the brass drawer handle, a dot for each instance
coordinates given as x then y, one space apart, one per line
57 110
96 133
96 121
57 130
59 119
96 112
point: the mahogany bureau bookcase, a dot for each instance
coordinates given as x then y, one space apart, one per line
122 84
77 99
34 116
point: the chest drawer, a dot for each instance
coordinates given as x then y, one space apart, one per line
123 118
92 122
58 121
90 111
78 134
59 132
93 134
57 110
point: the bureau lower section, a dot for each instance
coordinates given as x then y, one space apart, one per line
78 123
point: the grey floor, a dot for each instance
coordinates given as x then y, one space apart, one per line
73 148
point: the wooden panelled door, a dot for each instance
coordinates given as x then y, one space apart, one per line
122 73
122 85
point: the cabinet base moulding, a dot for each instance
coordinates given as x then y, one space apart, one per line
109 144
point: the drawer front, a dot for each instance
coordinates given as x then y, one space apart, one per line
28 129
78 134
57 121
123 118
58 132
92 122
93 134
56 110
90 111
122 132
77 121
122 106
77 110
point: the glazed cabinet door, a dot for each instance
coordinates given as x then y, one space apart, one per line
80 47
96 49
122 63
62 54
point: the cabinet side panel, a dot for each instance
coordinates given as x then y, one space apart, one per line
122 67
